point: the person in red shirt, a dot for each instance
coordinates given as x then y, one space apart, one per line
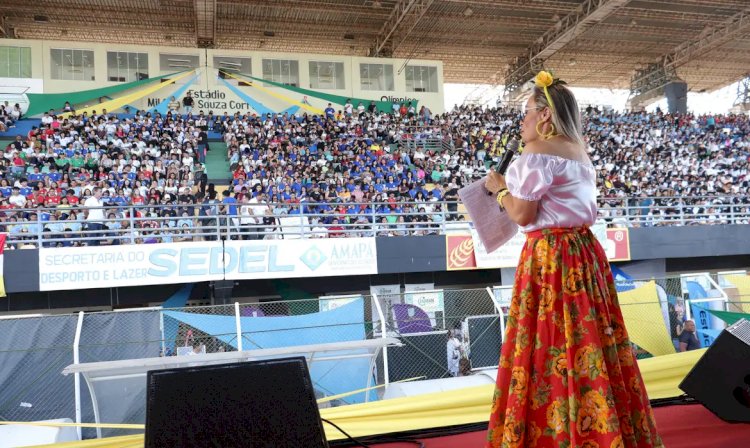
72 198
136 198
335 230
39 196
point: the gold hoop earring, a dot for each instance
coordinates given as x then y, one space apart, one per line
548 135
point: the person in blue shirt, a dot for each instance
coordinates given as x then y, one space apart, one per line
5 189
53 175
25 190
230 209
330 111
36 176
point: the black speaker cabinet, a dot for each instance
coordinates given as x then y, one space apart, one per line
258 404
721 378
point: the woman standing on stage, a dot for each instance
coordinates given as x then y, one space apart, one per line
567 375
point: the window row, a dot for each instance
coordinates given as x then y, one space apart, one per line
78 65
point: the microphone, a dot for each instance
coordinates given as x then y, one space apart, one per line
510 151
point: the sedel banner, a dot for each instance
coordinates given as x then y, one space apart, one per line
153 264
301 258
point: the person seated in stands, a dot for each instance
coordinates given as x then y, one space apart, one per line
335 230
688 340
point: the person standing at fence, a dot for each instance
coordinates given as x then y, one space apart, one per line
567 375
94 216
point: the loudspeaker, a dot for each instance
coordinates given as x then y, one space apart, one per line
223 291
720 380
676 93
258 404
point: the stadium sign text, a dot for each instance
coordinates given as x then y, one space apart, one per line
394 99
151 264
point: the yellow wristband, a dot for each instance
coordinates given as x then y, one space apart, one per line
500 195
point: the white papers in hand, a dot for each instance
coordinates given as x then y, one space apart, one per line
494 227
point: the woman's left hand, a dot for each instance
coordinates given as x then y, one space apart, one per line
495 182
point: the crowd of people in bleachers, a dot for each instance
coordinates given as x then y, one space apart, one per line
354 171
9 115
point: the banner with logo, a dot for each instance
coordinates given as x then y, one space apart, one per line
328 303
431 302
387 296
154 264
466 251
131 265
247 260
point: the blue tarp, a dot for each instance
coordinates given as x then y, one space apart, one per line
623 281
345 323
706 329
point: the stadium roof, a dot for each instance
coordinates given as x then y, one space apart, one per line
595 43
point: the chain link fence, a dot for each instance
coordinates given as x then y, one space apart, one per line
33 352
444 333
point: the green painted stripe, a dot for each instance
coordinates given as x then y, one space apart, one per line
43 102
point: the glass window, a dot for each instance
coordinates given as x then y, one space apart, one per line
72 64
126 67
421 79
15 62
178 62
281 70
327 75
228 66
376 76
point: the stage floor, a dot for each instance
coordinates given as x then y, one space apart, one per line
680 426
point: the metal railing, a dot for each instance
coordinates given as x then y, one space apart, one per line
42 227
689 210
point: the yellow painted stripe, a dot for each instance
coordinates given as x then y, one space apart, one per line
117 103
284 98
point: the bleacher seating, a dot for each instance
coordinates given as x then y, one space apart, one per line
349 168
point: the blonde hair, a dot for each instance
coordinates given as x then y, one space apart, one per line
565 113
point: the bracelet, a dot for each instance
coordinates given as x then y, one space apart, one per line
500 195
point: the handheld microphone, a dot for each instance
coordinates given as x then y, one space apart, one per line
510 151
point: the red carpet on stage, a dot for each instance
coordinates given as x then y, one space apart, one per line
680 426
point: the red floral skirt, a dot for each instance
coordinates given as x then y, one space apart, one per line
567 376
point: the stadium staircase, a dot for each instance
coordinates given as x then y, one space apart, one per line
217 165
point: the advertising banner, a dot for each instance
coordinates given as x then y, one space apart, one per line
154 264
328 303
466 252
132 265
247 260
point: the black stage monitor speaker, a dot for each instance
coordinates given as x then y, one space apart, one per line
721 378
259 404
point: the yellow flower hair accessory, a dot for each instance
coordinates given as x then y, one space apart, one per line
543 80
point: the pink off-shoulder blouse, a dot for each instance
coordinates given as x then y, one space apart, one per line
565 189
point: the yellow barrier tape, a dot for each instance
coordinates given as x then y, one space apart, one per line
278 95
117 103
366 389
